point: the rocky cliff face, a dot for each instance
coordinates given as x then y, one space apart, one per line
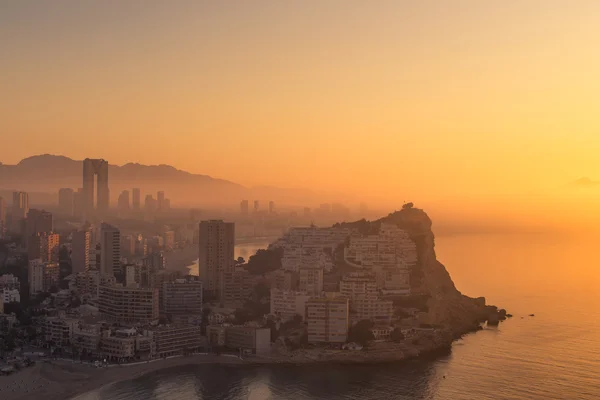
446 305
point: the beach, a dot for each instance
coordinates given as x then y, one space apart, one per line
64 379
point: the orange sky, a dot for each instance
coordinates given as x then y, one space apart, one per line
388 99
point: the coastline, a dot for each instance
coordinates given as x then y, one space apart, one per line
67 379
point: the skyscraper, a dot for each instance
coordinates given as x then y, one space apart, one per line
256 205
271 207
65 201
78 203
43 246
216 255
20 208
123 202
150 204
110 250
136 198
244 207
160 199
2 215
38 221
95 168
80 250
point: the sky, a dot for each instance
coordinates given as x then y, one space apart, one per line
465 100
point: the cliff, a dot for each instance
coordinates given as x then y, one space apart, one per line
445 305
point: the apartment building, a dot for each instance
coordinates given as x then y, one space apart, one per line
256 340
59 330
128 305
328 320
311 280
182 297
174 340
9 281
287 304
238 287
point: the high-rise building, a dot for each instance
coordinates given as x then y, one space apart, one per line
216 255
65 201
123 201
78 203
2 215
95 169
38 221
160 200
127 246
43 246
136 198
271 207
36 275
20 208
327 319
150 205
244 207
256 206
110 250
80 251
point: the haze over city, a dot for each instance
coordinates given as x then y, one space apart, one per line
472 106
283 200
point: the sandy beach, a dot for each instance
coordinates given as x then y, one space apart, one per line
61 379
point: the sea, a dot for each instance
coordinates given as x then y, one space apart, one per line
553 354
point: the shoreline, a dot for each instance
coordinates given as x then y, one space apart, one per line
67 379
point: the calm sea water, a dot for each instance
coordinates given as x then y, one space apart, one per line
554 355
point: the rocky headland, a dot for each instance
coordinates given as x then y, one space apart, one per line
443 304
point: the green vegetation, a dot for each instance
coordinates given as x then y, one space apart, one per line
361 332
265 261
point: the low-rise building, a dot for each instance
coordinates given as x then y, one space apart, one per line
216 335
256 340
174 340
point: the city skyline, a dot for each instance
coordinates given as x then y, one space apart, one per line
382 95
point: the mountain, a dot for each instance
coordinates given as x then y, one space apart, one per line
47 173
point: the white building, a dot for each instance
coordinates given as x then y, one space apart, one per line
287 304
10 295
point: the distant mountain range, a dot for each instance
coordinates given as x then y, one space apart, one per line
43 175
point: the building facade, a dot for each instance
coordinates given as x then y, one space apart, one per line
128 305
327 319
216 255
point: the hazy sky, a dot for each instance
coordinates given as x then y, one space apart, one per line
387 98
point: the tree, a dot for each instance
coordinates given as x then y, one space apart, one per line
265 261
361 332
397 335
408 206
